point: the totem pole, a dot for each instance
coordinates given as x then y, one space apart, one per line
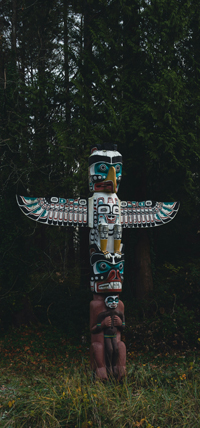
105 215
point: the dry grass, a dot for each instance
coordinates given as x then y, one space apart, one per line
46 382
152 395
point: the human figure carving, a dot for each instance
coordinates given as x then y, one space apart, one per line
108 352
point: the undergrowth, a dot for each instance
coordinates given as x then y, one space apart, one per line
46 382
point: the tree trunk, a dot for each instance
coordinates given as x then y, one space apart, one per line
66 60
14 24
135 182
87 71
84 257
143 272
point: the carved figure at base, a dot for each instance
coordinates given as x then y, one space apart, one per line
107 352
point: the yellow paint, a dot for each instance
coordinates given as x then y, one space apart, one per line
112 177
103 244
117 243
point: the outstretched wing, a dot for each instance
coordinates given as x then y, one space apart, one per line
55 211
147 213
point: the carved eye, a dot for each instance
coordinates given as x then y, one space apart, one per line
121 266
103 266
102 167
117 167
103 209
115 210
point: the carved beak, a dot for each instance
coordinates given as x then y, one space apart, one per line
111 178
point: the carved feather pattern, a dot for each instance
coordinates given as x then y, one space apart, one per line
55 211
72 212
147 213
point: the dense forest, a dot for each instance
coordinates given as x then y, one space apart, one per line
75 73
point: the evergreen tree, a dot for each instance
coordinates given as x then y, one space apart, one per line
77 73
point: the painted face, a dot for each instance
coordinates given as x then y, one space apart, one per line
107 274
105 171
112 302
107 210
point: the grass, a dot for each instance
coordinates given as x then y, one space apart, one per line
46 382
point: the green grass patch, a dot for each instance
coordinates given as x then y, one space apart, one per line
46 382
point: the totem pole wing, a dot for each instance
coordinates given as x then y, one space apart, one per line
55 211
147 213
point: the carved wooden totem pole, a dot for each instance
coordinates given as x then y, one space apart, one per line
106 215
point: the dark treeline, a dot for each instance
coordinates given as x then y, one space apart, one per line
75 73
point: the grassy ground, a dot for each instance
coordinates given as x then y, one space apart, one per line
45 381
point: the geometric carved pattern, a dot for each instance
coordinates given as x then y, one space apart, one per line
55 211
147 213
73 212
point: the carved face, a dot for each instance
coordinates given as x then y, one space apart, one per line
107 210
112 302
107 274
105 171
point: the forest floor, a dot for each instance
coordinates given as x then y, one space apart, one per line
45 381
